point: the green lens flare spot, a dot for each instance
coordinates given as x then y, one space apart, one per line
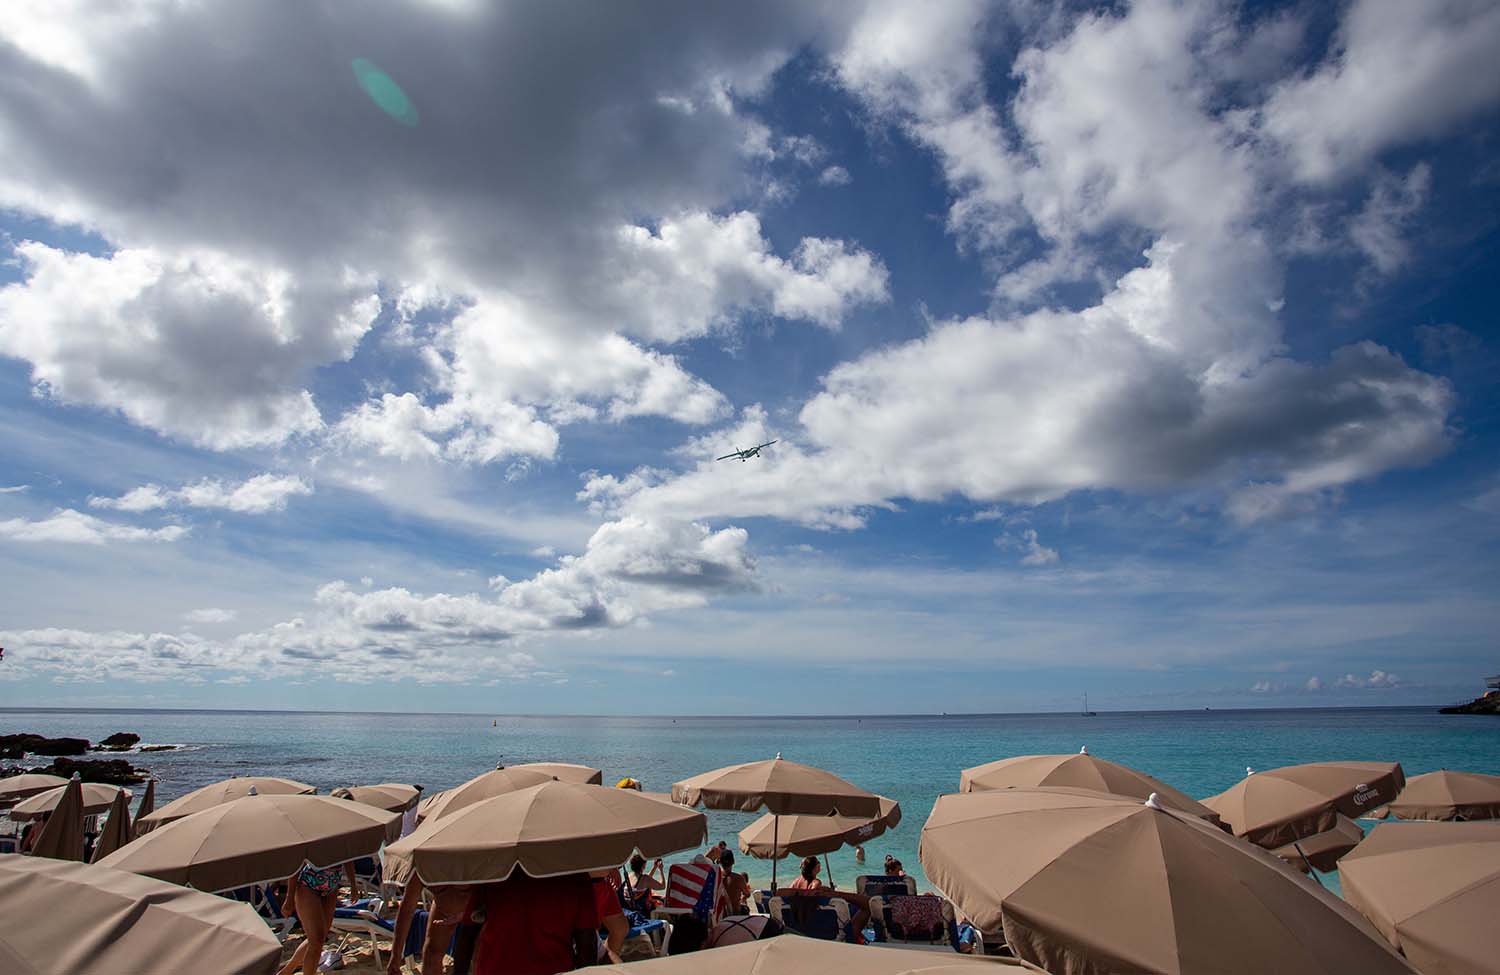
384 92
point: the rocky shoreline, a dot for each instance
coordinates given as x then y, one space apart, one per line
108 771
1489 704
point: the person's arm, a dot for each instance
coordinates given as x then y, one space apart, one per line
658 875
353 880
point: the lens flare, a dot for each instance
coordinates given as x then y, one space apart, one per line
384 92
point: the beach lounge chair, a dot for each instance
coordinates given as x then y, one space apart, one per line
880 885
368 924
263 900
824 918
920 921
693 888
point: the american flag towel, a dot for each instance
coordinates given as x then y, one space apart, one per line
695 887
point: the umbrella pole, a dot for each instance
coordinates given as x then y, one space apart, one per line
775 851
1308 863
828 869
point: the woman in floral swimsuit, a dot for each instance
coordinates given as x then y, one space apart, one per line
313 893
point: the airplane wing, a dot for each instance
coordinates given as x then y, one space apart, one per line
766 444
728 456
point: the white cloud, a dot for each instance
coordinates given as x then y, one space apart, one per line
74 527
199 345
1267 687
834 176
256 495
1377 679
629 570
1399 73
699 270
1036 553
544 552
15 489
1313 684
1379 228
210 614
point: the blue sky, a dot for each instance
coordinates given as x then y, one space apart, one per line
1143 349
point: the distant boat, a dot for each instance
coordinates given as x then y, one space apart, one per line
1086 712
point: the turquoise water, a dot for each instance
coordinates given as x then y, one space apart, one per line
911 759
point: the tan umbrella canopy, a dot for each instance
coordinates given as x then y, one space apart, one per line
547 830
1091 883
1080 771
804 836
257 839
218 793
793 955
1323 850
73 919
96 797
778 786
1275 807
481 787
17 787
61 837
562 772
1433 890
1448 795
148 801
390 796
116 832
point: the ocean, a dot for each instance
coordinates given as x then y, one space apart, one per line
912 759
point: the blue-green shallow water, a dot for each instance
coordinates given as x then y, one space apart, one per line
911 759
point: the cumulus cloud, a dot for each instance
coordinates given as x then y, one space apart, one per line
1379 230
1313 684
1398 73
834 176
1377 679
257 495
77 528
249 256
629 570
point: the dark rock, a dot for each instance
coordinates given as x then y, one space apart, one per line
14 746
118 742
1489 704
110 771
158 748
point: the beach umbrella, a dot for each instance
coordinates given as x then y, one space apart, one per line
778 786
148 801
562 772
1447 795
1080 771
481 787
1322 851
61 837
790 954
1433 890
116 832
217 793
390 796
1275 807
547 830
1084 882
96 797
17 787
783 788
803 836
77 919
257 839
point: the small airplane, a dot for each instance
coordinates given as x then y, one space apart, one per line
747 453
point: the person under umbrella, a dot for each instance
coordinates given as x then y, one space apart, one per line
536 846
782 788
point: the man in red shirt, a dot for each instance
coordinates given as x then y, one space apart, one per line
536 926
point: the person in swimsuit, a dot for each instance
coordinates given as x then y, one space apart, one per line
312 893
807 883
736 885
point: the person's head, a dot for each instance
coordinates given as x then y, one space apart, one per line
637 863
810 868
726 859
892 866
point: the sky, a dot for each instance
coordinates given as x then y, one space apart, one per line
378 356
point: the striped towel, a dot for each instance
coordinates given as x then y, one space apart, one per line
695 887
